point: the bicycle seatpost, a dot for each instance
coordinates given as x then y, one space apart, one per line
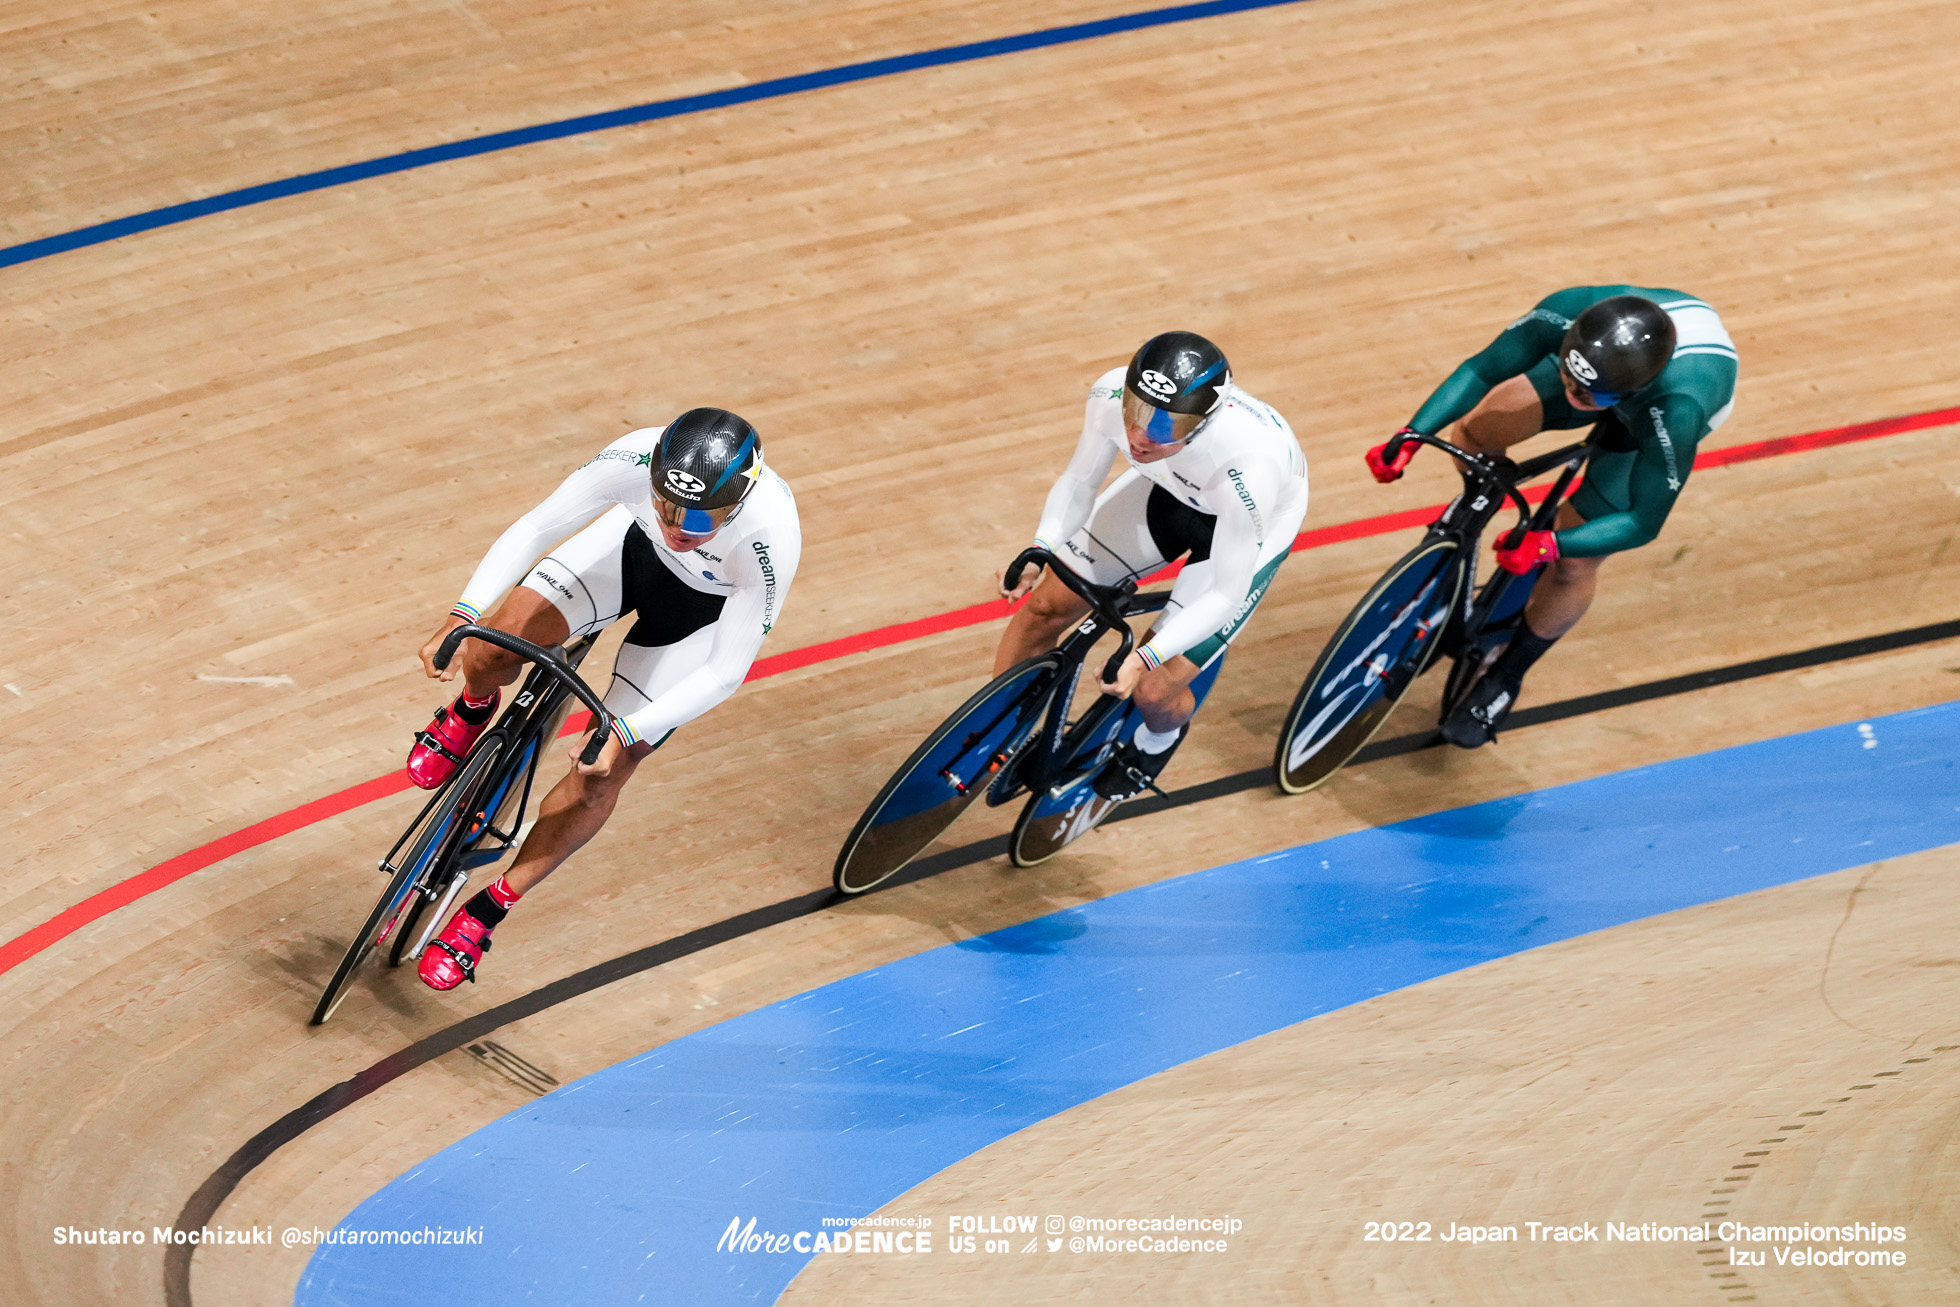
549 660
1103 600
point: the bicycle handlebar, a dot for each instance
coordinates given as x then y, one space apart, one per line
546 659
1502 475
1102 599
1482 464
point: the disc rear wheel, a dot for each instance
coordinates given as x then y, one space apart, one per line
1388 640
951 769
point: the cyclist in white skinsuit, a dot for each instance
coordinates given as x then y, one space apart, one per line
1213 473
696 536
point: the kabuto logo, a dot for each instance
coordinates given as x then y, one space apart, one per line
1157 384
682 483
1576 364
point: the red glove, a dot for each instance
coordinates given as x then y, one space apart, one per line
1536 547
1378 462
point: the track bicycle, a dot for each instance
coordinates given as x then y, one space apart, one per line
1425 606
1014 737
477 815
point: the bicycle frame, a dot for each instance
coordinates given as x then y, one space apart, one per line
1110 607
1466 516
552 678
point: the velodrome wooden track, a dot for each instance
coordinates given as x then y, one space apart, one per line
272 443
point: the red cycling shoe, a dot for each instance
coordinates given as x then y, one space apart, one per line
452 956
440 749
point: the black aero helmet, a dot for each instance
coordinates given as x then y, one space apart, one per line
1617 346
1179 372
708 460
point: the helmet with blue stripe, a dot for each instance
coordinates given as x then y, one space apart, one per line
1173 382
1179 372
707 462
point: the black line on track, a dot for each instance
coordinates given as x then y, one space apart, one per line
204 1203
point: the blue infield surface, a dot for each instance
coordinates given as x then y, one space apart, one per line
617 1188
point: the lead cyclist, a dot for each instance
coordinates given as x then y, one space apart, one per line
695 535
1653 372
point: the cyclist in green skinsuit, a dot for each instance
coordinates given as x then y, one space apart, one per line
1653 372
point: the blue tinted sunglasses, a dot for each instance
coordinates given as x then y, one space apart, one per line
1159 425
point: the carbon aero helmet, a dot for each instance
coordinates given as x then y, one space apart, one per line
707 462
1616 347
1178 374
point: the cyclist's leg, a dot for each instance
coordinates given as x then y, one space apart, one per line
673 638
1115 545
1557 602
574 590
1165 704
543 610
1163 696
1565 591
570 815
524 613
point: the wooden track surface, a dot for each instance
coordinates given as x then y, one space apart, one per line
273 443
1621 1077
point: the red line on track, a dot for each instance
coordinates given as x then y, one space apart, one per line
18 950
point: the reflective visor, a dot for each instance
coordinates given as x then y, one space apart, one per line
693 521
1158 425
1603 398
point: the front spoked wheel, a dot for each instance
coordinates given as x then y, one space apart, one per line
1059 814
946 773
482 845
1389 639
432 846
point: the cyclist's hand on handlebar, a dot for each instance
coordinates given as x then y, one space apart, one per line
1127 677
1536 547
607 756
1030 577
428 651
1386 470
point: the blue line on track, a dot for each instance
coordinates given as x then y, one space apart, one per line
598 122
616 1189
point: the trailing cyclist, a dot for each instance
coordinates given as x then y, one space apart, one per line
1653 372
692 533
1214 475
